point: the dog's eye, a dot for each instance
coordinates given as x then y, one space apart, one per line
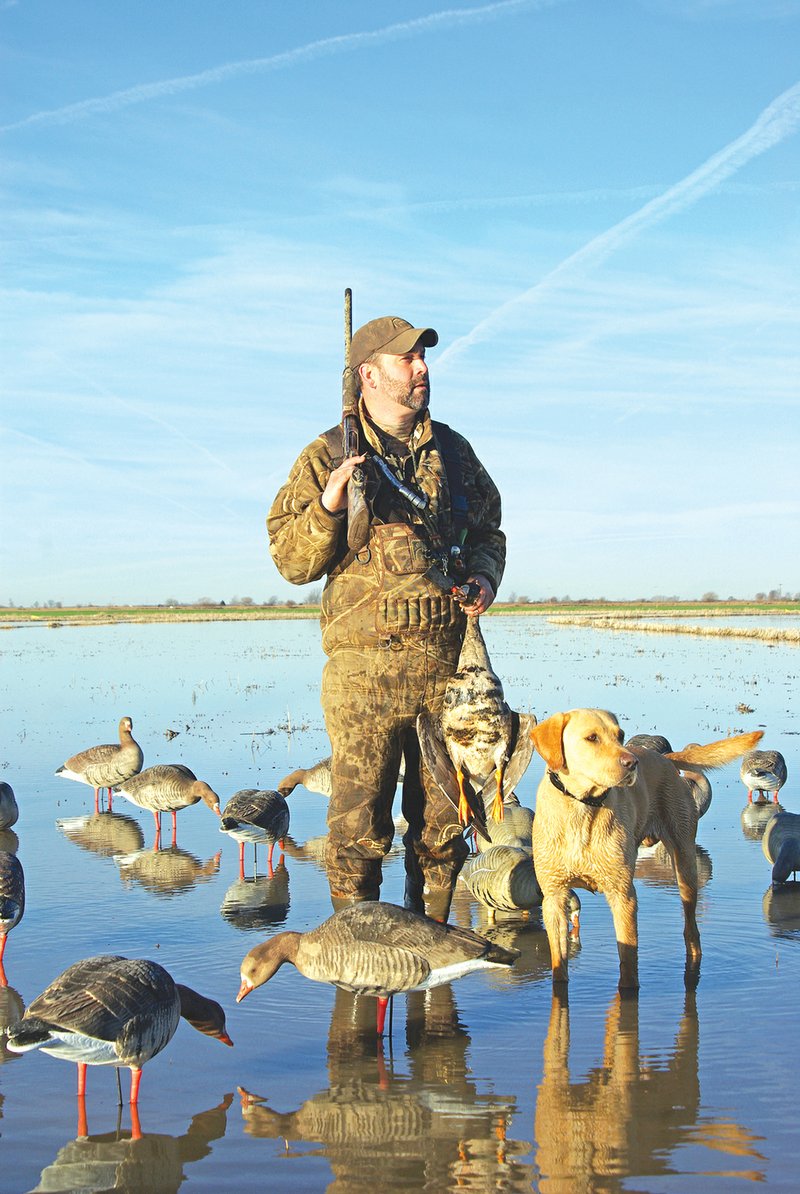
592 738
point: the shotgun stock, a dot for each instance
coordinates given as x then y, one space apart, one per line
357 509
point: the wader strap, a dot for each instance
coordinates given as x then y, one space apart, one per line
455 480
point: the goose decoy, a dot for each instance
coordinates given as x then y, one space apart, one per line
165 788
375 949
12 900
698 784
514 829
477 743
656 742
253 816
115 1011
9 811
503 879
763 771
781 845
108 765
314 779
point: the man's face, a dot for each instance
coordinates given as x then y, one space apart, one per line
404 379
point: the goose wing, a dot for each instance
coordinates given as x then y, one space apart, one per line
440 765
520 749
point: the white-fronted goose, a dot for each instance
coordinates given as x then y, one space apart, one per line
254 816
12 900
375 949
477 744
165 788
9 810
115 1011
107 765
763 771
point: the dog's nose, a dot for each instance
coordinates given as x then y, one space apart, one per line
628 760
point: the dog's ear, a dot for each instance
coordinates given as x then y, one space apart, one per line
548 740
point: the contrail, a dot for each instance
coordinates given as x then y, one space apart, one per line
778 120
316 49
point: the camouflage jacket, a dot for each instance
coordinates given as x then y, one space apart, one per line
383 592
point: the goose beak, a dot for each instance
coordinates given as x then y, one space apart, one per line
245 989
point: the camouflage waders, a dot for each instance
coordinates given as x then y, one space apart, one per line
371 699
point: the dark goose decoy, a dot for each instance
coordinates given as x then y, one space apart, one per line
698 783
9 811
763 771
656 742
12 900
503 879
477 744
375 949
108 765
254 816
781 845
165 788
115 1011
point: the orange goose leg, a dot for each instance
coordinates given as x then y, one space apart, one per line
463 805
174 827
136 1077
383 1003
497 806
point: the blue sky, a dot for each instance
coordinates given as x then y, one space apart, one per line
595 202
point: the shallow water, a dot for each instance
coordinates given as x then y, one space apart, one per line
490 1084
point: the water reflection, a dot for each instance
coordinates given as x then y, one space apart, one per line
258 901
135 1161
654 866
781 908
756 817
11 1009
429 1129
165 872
104 833
628 1115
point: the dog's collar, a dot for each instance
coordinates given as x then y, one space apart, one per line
592 801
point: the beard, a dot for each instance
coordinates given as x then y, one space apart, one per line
413 395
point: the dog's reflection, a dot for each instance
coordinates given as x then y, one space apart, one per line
628 1115
429 1128
135 1161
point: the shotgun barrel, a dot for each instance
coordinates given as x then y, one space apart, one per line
357 509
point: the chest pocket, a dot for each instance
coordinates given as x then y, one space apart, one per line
402 553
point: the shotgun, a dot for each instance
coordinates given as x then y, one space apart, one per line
357 509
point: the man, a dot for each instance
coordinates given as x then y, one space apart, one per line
393 612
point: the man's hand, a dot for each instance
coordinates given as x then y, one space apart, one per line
484 599
334 495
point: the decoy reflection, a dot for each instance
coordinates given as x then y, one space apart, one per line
168 872
427 1129
259 901
133 1161
105 834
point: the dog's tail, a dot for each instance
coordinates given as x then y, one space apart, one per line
715 754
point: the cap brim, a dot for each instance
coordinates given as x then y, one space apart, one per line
406 340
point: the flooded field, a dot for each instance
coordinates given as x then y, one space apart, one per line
490 1084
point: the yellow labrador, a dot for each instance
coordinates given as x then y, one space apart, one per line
597 802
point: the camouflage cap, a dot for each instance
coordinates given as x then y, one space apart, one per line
388 334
